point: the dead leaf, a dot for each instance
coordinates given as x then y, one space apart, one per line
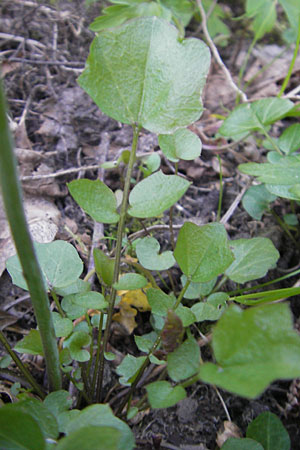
136 298
228 430
126 317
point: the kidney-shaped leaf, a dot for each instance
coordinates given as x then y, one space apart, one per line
130 282
59 262
75 342
96 199
184 361
147 250
253 258
252 348
256 200
161 394
203 252
156 193
102 415
76 305
141 73
183 144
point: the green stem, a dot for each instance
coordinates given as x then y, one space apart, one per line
272 142
284 227
12 197
289 73
120 232
221 190
21 366
59 308
97 355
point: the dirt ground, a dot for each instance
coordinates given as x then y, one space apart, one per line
61 135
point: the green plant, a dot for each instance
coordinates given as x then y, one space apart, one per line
157 86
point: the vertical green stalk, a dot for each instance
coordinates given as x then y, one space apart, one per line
120 232
12 198
288 75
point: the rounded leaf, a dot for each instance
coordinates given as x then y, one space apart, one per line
147 250
182 144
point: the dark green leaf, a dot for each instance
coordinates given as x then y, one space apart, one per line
241 444
267 429
203 252
75 342
286 171
130 282
91 437
128 369
289 141
62 325
184 361
256 201
58 402
212 309
31 344
19 431
252 348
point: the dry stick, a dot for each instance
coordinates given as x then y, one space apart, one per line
12 198
217 55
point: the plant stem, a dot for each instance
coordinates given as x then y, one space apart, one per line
59 308
289 73
12 197
21 366
221 190
120 232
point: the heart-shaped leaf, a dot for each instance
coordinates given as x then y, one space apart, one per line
59 262
159 83
75 342
77 305
128 369
182 144
162 395
252 348
62 325
203 252
147 250
256 200
253 258
96 199
98 437
165 191
212 309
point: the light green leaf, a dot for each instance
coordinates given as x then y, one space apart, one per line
184 362
284 191
253 258
130 282
30 344
289 141
104 266
196 290
268 430
75 342
264 13
252 348
292 10
256 200
62 325
241 444
96 199
78 287
19 431
128 369
40 413
96 437
159 93
212 309
161 303
165 190
58 401
102 415
144 343
181 9
203 252
295 191
147 251
252 117
182 144
286 171
162 395
77 305
58 260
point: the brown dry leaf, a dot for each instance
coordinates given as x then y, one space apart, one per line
8 66
43 219
126 317
136 298
228 430
21 137
226 167
45 186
